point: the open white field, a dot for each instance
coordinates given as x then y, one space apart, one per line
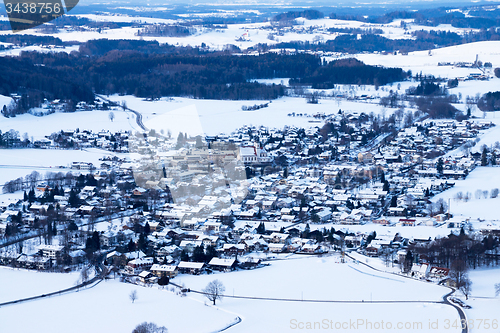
50 158
39 127
20 162
5 100
107 308
303 278
20 283
483 179
193 116
421 61
484 312
490 136
43 49
319 278
269 316
483 281
178 114
323 279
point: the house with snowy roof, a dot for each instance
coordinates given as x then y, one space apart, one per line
224 265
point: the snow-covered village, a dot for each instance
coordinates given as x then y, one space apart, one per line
251 168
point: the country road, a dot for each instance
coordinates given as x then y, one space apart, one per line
461 313
445 300
138 115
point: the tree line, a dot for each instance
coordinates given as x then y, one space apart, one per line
372 42
189 72
165 30
475 251
477 18
309 14
350 71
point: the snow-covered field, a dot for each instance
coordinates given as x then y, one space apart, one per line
483 281
5 100
483 301
193 116
225 116
39 127
304 278
323 278
107 308
21 283
312 275
421 61
482 178
50 158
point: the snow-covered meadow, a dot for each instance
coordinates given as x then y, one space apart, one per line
422 61
323 278
20 162
484 305
107 306
478 207
39 127
22 283
192 116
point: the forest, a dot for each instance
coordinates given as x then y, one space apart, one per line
26 40
309 14
350 71
489 101
476 252
370 41
165 30
186 72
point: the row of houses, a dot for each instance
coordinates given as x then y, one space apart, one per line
145 268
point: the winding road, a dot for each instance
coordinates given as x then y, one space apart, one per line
138 115
446 301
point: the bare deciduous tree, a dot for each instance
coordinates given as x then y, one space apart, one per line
459 274
214 290
466 287
146 327
111 116
133 295
85 274
459 196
